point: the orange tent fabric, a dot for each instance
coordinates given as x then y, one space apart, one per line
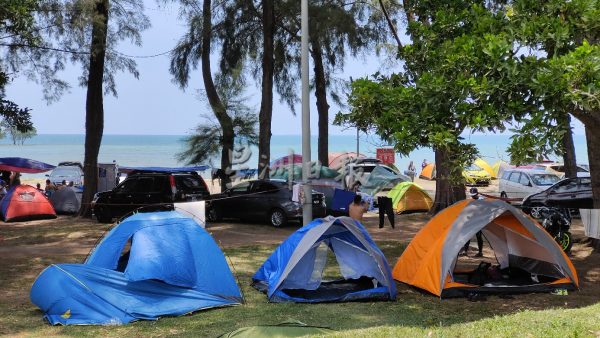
24 203
428 173
518 241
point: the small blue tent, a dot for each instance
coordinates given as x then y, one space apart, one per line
294 272
149 265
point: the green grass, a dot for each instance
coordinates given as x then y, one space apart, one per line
412 314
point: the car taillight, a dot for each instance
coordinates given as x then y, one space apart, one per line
206 187
173 186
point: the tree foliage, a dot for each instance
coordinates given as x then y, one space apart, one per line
455 76
206 141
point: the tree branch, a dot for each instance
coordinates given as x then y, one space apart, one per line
390 23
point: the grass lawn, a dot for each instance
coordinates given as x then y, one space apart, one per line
412 314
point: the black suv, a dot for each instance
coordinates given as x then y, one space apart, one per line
142 188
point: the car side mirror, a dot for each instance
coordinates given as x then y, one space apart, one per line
529 184
228 192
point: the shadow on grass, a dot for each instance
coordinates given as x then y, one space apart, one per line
411 308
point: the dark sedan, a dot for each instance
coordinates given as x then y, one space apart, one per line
269 200
572 193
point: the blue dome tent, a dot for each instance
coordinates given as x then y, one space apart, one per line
149 265
294 272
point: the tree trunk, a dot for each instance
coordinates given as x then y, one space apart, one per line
568 146
593 147
266 104
214 100
322 105
446 193
94 108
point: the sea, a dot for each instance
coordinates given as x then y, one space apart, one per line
162 150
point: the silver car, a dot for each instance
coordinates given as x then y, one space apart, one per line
70 173
520 183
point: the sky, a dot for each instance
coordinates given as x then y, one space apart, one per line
154 105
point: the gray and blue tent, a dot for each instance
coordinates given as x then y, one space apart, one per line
294 272
66 200
150 265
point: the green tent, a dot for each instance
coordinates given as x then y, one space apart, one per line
287 329
408 196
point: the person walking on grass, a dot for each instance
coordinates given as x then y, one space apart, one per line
357 208
474 193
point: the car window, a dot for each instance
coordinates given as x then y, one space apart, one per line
65 172
145 185
582 170
473 167
159 184
524 180
585 183
514 177
558 168
544 179
506 174
264 187
189 183
128 185
566 186
364 169
242 187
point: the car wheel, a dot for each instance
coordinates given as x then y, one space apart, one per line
277 218
102 215
565 241
213 215
536 210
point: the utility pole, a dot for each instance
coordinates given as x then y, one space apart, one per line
307 207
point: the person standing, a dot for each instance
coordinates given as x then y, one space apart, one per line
357 208
411 171
474 193
50 188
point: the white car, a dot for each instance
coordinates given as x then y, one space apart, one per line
559 169
361 169
520 183
66 173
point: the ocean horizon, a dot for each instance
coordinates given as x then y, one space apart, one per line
162 150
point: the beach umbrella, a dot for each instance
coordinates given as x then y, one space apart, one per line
24 165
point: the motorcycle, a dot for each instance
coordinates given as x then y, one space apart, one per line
557 223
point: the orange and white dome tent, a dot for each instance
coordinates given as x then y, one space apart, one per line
25 203
521 246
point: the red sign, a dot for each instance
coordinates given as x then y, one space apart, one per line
386 155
